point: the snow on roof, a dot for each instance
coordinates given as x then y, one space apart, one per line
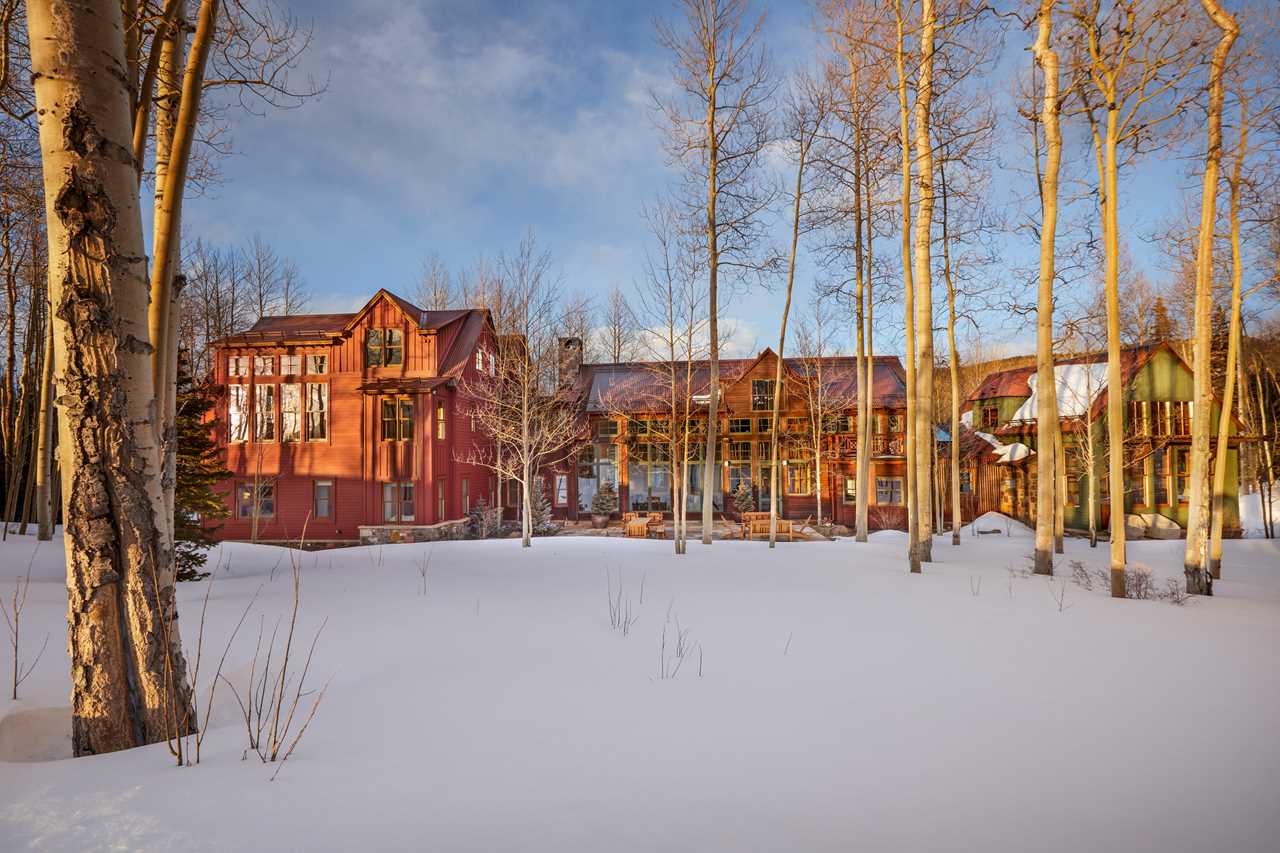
1010 453
1077 386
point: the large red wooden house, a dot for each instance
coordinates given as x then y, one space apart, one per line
343 421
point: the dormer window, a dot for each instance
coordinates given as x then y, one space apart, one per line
990 417
383 347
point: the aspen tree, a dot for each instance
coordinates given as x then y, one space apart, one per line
923 286
128 670
1048 432
719 127
1233 348
1195 563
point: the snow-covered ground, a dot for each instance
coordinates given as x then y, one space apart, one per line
842 704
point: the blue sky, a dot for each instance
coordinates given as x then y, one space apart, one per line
452 127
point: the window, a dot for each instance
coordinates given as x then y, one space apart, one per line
761 395
238 365
238 413
966 481
1180 417
1160 469
764 425
493 364
607 428
480 360
322 499
850 490
649 477
317 365
397 502
639 427
263 507
440 421
264 365
889 490
440 500
1159 418
794 424
561 493
1181 475
739 451
898 423
799 476
383 347
397 419
264 423
466 495
837 423
1138 423
317 411
739 425
291 412
290 365
990 418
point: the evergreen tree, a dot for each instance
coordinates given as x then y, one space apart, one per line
199 469
1219 328
540 509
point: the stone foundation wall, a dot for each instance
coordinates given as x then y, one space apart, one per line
386 534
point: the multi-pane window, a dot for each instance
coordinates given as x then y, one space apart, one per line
238 365
898 423
440 499
990 418
761 395
850 489
764 425
264 365
1138 421
1180 417
739 451
397 502
317 365
493 364
607 428
561 493
238 413
1181 475
837 423
440 421
397 419
1160 470
966 481
466 495
795 424
291 412
649 477
264 422
290 365
739 425
889 490
261 506
799 470
322 499
317 411
383 347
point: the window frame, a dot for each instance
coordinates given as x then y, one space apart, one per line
262 488
264 365
264 422
316 486
309 411
765 396
291 416
440 432
395 424
396 495
890 485
291 365
743 426
317 360
239 414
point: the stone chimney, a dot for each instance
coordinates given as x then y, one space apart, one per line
570 361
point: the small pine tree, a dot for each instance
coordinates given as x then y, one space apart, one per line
744 498
199 469
540 509
605 500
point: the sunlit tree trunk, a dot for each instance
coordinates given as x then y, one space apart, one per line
908 292
1233 354
44 438
1047 423
129 682
953 360
1194 560
923 285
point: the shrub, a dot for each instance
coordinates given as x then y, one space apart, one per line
485 521
744 499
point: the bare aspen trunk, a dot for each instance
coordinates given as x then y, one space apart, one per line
1047 422
44 438
1115 386
782 342
168 58
710 474
181 129
129 684
1233 356
923 280
954 361
1194 559
908 292
863 497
